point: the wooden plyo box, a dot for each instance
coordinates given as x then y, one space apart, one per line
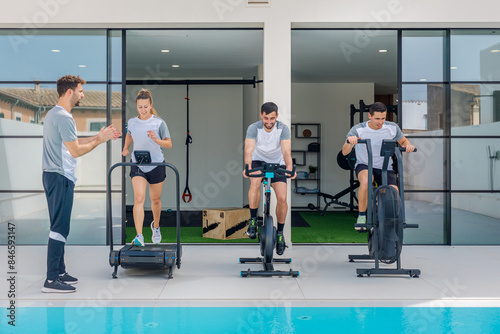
225 223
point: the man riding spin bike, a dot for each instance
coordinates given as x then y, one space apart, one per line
268 141
376 129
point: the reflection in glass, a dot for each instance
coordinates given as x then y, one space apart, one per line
474 164
423 55
116 55
116 145
26 104
24 171
20 171
424 169
49 54
475 219
88 219
29 104
475 109
423 109
428 211
28 212
116 108
475 55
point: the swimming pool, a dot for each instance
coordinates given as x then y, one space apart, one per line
253 320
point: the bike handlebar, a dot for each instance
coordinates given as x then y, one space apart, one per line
364 141
403 149
360 141
269 168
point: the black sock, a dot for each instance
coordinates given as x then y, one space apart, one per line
362 213
281 226
253 213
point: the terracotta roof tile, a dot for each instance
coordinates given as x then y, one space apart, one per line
92 99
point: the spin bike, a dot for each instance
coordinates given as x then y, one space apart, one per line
385 216
267 235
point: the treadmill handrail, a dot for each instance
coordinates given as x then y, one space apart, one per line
109 220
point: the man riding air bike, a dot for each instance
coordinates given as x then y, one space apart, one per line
376 129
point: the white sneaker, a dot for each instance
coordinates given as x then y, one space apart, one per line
156 233
361 220
138 240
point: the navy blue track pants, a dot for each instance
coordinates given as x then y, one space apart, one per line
59 193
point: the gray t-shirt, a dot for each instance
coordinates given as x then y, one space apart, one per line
139 128
268 144
389 130
58 127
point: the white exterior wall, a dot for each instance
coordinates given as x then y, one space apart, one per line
198 13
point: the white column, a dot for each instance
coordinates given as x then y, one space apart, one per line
277 85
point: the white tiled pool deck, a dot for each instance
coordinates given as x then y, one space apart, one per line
452 276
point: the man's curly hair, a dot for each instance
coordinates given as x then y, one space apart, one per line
68 82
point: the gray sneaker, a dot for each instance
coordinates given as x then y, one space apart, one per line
57 286
156 233
68 279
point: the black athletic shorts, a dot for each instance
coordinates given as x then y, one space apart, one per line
157 175
377 174
280 177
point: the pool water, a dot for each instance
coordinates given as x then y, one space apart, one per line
252 320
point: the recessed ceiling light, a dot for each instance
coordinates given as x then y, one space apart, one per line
495 51
382 51
55 50
453 68
82 65
175 65
423 79
165 51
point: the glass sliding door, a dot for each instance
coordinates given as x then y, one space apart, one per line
30 65
450 95
423 107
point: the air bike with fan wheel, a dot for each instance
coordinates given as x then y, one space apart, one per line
267 234
160 256
385 219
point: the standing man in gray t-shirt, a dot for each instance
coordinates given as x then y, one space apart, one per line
61 147
268 141
376 129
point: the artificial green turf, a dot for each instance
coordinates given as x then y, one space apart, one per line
188 235
334 227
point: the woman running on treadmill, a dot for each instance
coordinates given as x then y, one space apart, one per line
149 133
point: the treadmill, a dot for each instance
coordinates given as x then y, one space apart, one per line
151 256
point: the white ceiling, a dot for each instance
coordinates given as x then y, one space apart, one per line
317 55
